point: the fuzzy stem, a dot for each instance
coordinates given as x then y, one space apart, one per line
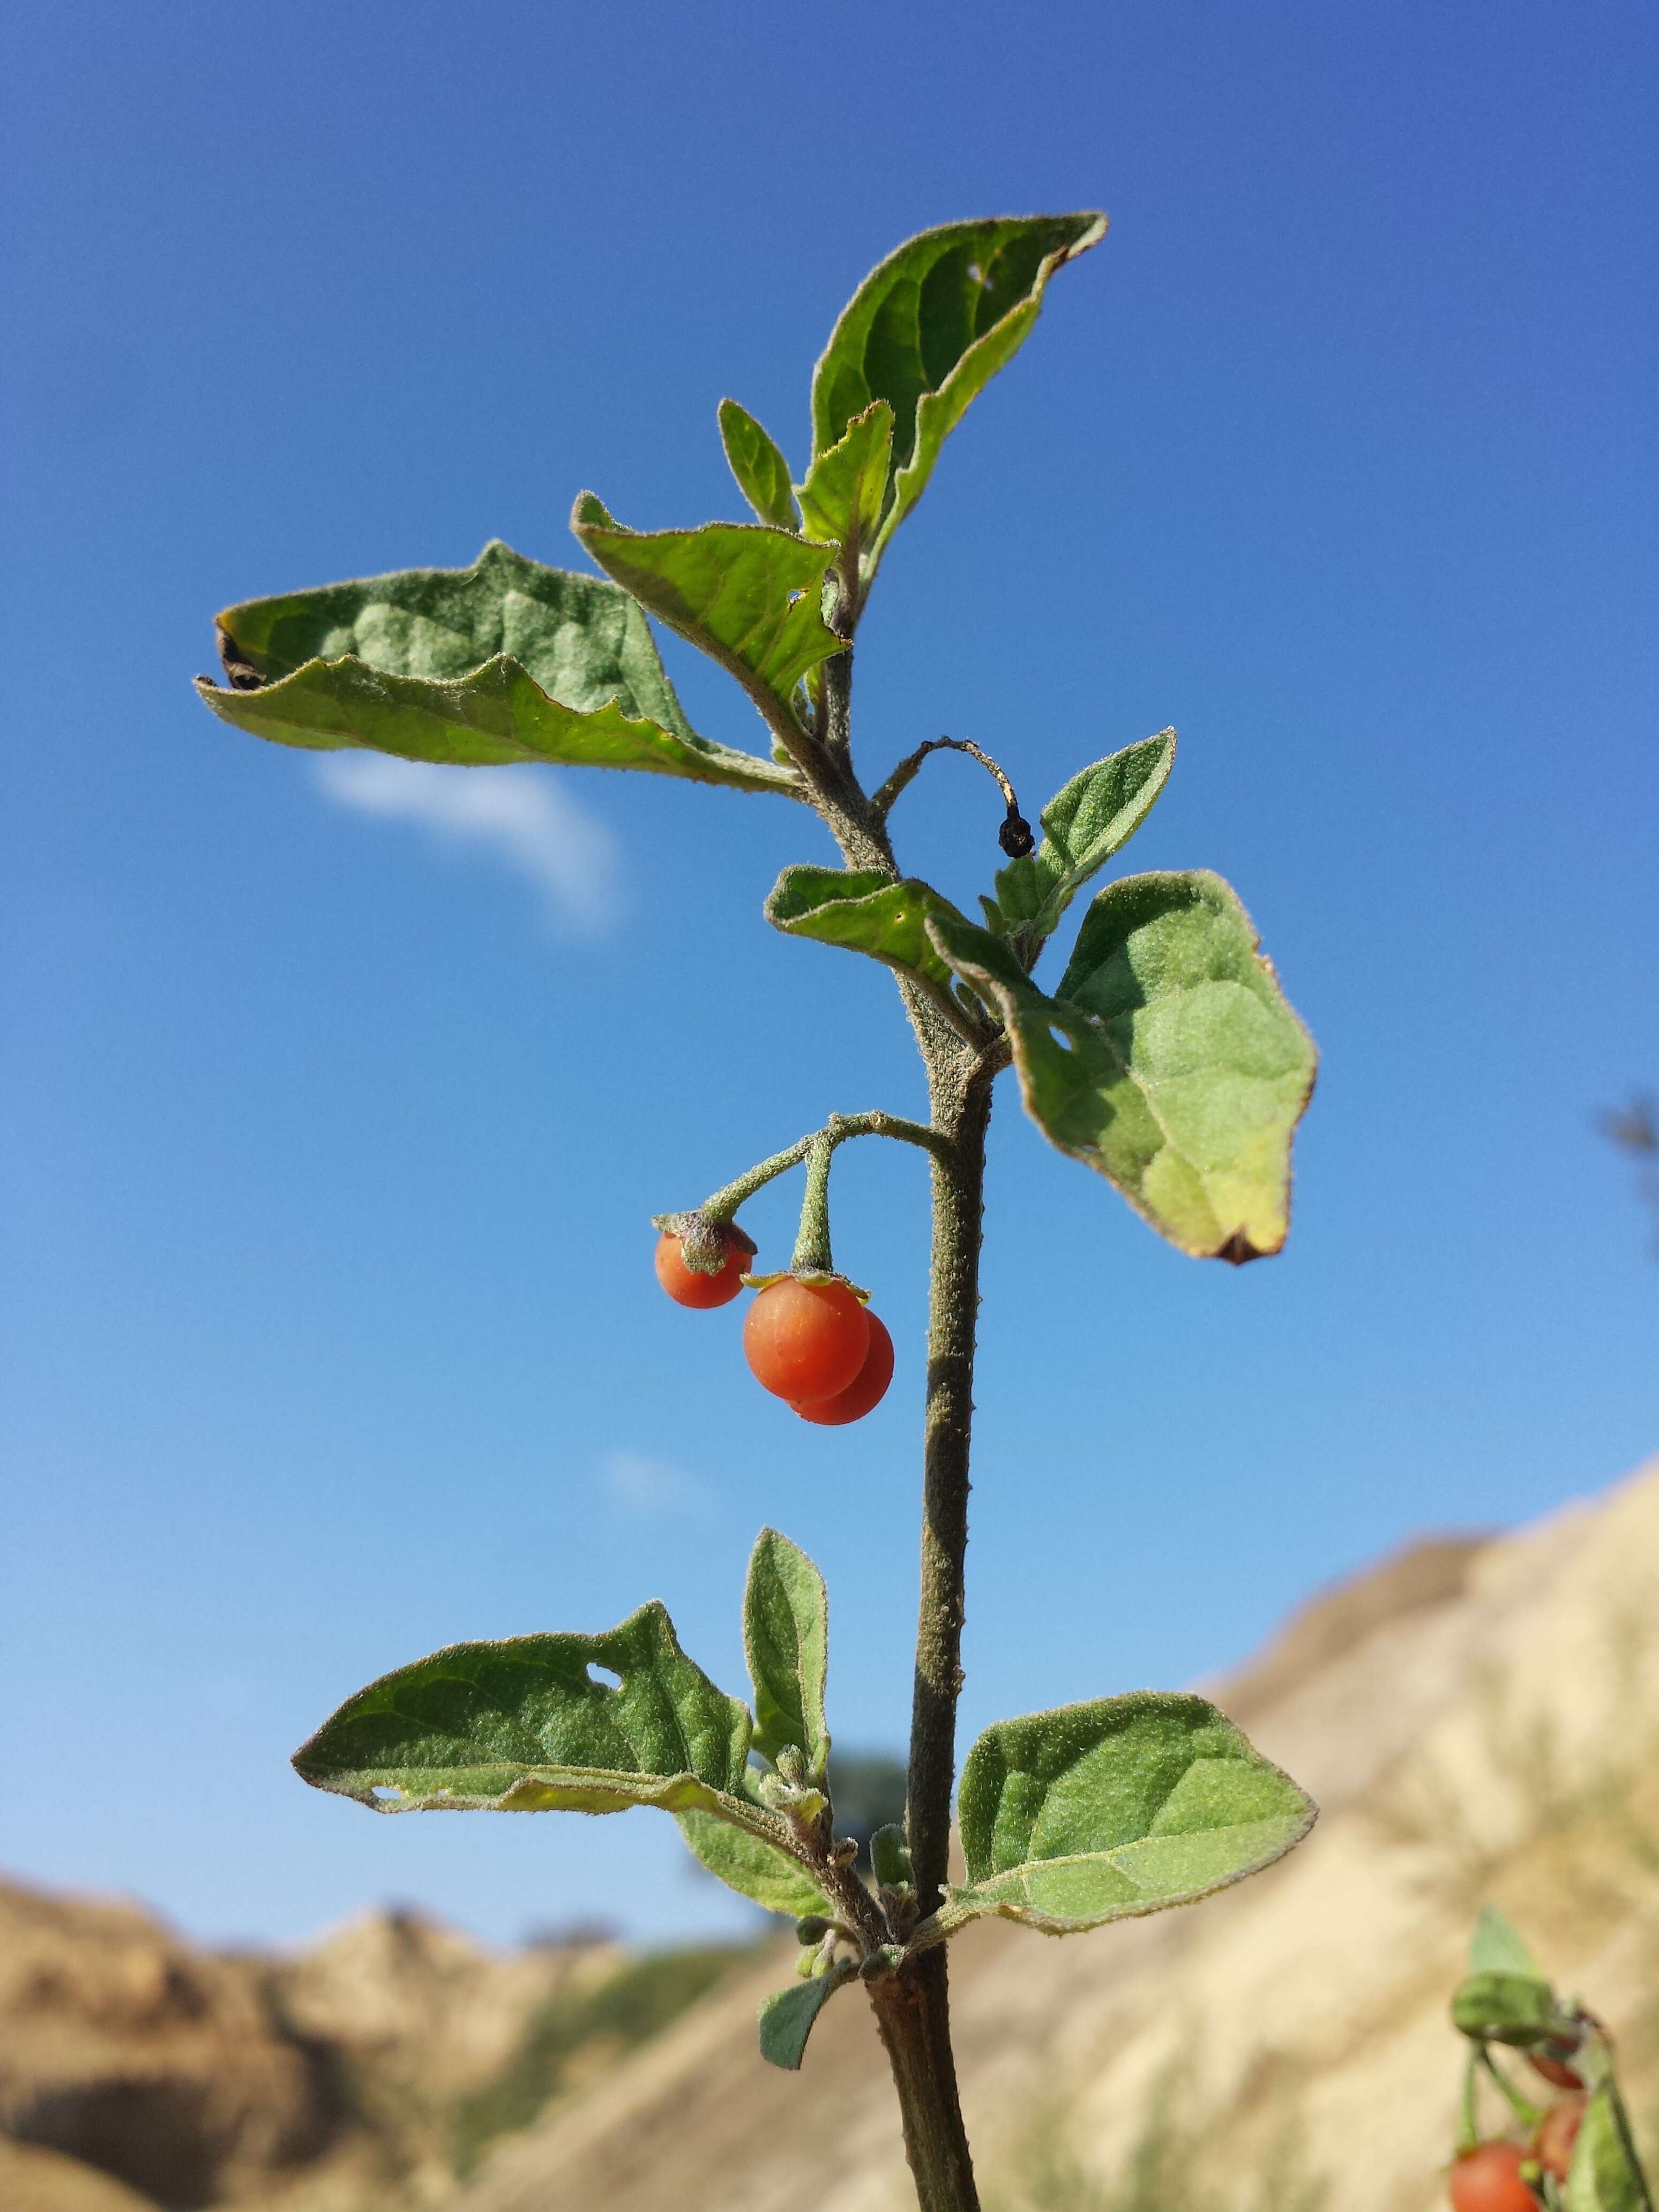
812 1255
835 1131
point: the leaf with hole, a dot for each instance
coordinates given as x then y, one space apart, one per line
748 595
761 472
1169 1061
754 1868
1091 818
504 661
869 912
787 2019
786 1639
1103 1811
525 1726
928 329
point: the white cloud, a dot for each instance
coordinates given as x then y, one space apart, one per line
523 816
648 1488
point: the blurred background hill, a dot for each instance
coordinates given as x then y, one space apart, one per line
1480 1718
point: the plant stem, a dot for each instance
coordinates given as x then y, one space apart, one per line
912 2006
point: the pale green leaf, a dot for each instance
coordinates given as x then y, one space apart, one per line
525 1726
1123 1806
842 497
1499 1947
749 596
761 472
747 1863
1170 1061
866 912
787 2019
928 329
504 661
1091 818
1606 2174
786 1639
1500 2005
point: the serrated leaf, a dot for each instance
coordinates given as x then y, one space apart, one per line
928 329
1499 1947
525 1726
785 1639
761 472
1169 1061
747 595
866 912
504 661
1088 820
1606 2174
842 498
1123 1806
755 1868
787 2019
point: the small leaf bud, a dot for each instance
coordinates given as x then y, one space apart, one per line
889 1857
812 1928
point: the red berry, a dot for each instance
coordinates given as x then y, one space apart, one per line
687 1287
1488 2179
805 1341
1558 2131
867 1387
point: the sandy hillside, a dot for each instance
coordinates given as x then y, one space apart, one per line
1477 1720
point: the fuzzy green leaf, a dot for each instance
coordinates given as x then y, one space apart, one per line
1499 1947
842 497
504 661
525 1726
748 595
928 329
755 1868
1091 818
1169 1061
1123 1806
866 912
786 1639
1501 2005
761 472
787 2019
1605 2175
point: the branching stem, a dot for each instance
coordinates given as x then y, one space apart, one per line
724 1205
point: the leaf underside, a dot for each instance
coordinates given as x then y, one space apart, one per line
751 1866
1123 1806
865 912
505 661
1169 1061
787 2019
785 1636
928 329
1089 820
749 596
524 1726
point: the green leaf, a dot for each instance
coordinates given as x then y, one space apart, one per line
525 1726
747 1863
786 1637
1505 2006
504 661
1499 1947
1605 2175
1170 1061
748 595
787 2019
866 912
842 497
929 328
761 472
1085 823
1123 1806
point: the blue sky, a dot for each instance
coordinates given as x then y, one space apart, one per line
335 1108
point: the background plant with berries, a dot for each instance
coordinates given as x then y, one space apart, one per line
1165 1058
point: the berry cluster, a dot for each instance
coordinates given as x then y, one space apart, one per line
808 1340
